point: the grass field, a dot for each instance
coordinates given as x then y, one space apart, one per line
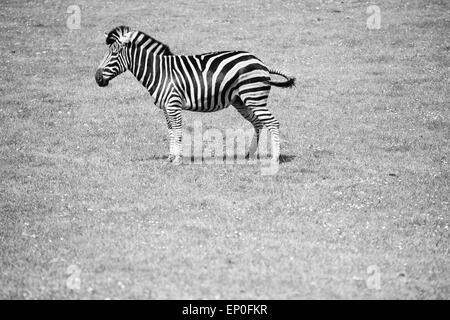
365 138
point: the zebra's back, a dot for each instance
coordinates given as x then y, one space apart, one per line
211 81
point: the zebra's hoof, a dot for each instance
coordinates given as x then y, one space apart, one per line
169 160
178 160
251 156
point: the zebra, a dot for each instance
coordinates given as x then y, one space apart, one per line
204 83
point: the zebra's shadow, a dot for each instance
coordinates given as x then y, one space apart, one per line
284 158
156 157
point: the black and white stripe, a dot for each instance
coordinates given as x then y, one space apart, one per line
203 83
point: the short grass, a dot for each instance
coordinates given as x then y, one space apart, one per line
365 134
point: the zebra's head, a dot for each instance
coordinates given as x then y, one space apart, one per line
116 60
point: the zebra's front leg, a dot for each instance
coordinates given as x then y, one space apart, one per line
174 114
171 137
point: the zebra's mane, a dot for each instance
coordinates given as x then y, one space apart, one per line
137 38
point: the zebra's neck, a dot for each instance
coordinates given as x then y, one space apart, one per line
145 60
148 67
143 54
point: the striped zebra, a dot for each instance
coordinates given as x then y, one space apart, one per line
204 83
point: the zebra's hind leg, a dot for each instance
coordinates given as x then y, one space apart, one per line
250 117
266 118
174 114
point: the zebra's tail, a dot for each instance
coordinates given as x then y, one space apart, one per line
289 83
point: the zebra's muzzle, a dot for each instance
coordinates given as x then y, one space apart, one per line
99 78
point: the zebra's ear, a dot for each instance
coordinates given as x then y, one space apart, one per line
126 38
106 34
